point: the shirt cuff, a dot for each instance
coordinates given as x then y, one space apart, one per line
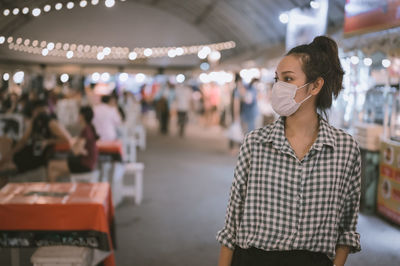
350 239
226 238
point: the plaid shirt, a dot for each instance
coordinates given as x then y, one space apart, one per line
278 202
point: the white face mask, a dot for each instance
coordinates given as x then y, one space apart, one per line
282 98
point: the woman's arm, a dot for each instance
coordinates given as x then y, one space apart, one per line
237 198
225 256
59 132
341 255
349 239
78 148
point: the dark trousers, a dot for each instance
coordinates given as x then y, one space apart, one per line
182 120
258 257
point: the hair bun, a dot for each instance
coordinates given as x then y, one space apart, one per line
325 44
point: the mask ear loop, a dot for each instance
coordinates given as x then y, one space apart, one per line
308 97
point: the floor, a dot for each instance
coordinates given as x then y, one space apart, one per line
186 186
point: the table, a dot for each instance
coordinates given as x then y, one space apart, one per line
110 164
43 214
113 148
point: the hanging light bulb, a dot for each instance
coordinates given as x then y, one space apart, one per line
106 51
50 46
45 52
386 63
100 56
58 6
6 76
70 54
47 8
64 78
284 18
110 3
15 11
367 61
132 56
180 78
36 12
83 3
6 12
148 52
25 10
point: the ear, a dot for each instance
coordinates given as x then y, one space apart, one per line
317 86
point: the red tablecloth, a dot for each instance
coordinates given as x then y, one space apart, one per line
36 214
105 147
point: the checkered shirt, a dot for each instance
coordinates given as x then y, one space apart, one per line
278 202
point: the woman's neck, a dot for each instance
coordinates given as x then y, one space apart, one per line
303 123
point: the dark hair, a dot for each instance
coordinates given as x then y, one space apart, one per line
87 114
237 77
105 98
320 59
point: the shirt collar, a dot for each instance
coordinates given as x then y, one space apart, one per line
276 135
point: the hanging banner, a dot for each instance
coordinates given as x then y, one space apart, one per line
362 16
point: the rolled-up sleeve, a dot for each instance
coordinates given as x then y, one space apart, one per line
348 222
227 236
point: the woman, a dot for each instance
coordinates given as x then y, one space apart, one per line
34 149
295 195
84 150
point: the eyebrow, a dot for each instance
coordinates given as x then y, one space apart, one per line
285 72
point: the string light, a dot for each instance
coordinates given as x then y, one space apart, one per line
6 76
25 10
110 3
104 52
47 8
132 55
58 6
83 3
70 5
64 78
36 12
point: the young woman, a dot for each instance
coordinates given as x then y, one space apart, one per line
295 195
34 149
84 150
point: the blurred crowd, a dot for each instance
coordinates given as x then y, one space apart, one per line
31 123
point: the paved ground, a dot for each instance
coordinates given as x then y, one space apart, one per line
186 186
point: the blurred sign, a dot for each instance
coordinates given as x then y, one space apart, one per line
389 181
305 24
363 16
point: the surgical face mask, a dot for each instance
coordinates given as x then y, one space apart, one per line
282 98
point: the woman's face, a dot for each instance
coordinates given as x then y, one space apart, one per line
289 70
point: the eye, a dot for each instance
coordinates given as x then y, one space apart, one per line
287 79
276 79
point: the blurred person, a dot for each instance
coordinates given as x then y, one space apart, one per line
106 119
163 103
34 149
84 150
10 105
248 105
296 189
114 102
182 103
235 109
212 95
